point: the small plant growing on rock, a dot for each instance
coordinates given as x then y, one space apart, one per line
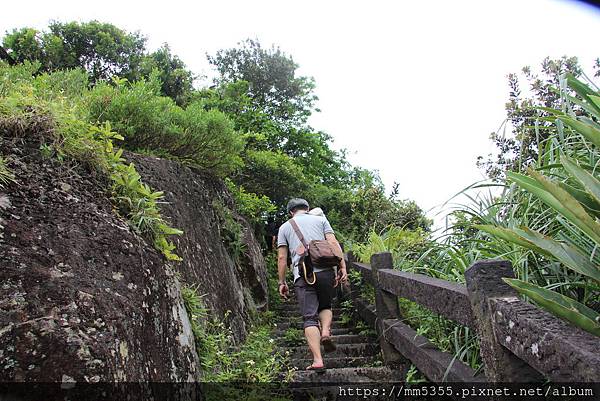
26 99
6 176
230 230
293 337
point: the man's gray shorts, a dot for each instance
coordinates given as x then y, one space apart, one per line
312 299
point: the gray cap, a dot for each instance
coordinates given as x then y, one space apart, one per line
295 203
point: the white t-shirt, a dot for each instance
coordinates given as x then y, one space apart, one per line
312 227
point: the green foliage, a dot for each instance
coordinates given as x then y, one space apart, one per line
6 176
367 292
155 123
24 97
255 208
103 50
293 337
413 376
373 209
405 244
222 361
273 85
230 230
574 197
364 329
272 279
251 126
176 80
138 202
284 157
522 146
447 335
276 171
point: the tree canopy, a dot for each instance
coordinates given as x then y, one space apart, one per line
251 126
521 147
103 50
271 74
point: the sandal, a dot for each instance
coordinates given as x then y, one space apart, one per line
317 369
328 344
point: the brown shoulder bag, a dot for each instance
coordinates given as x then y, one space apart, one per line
318 253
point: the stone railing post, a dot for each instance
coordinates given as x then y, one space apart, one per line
386 305
484 282
349 290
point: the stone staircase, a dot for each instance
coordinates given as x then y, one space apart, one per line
356 359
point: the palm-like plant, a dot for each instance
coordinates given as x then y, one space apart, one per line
566 184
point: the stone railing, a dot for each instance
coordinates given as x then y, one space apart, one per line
518 341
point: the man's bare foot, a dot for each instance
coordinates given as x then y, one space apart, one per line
317 366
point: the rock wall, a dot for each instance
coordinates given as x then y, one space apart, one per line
227 285
82 297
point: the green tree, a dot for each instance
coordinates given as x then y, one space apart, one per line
521 147
273 85
273 174
177 80
102 49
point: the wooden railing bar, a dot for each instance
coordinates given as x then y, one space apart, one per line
518 341
442 297
366 311
432 362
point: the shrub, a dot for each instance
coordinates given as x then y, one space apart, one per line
256 208
25 98
155 124
222 361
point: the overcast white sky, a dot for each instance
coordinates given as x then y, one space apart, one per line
411 88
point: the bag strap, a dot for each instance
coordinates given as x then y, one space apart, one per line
298 233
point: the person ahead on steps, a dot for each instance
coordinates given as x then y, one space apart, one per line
314 299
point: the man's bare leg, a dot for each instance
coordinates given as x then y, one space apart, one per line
313 338
326 316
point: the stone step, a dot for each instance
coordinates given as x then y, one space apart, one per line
380 374
298 325
343 350
298 319
335 332
331 363
296 312
343 339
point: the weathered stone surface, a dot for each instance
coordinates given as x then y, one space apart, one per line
82 298
432 362
298 325
555 348
349 375
442 297
484 282
334 332
237 286
334 363
386 305
366 312
342 350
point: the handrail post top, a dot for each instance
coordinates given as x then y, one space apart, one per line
486 276
382 260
